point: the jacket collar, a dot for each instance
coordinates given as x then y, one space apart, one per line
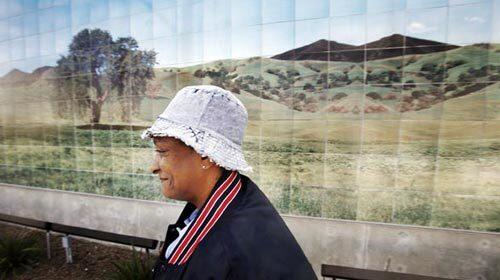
222 194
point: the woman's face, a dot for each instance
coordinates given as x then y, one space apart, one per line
178 167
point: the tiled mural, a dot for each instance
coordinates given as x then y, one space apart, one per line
370 110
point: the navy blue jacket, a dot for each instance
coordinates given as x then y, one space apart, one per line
250 240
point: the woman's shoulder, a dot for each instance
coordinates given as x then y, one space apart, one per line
253 217
253 204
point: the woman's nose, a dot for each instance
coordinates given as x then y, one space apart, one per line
154 168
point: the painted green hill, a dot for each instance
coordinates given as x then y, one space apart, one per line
384 87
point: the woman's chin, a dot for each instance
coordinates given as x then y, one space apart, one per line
168 195
170 192
167 189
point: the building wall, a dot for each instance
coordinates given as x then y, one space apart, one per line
366 110
456 254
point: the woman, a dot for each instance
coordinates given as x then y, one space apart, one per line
228 228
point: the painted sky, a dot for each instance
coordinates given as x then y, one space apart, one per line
184 32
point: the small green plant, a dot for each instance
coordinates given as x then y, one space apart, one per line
17 254
134 269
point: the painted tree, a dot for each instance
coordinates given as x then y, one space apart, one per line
97 66
131 71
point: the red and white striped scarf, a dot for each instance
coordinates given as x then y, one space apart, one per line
221 196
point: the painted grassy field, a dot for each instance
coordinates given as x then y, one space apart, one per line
435 164
427 172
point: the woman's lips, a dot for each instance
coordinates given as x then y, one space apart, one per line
167 181
163 180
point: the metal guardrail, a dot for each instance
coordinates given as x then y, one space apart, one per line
68 231
352 273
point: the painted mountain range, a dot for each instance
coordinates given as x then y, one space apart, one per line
386 47
407 74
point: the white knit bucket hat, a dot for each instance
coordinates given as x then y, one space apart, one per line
209 119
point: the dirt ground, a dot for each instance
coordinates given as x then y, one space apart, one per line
91 260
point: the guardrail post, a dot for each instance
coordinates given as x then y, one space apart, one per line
66 242
47 238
